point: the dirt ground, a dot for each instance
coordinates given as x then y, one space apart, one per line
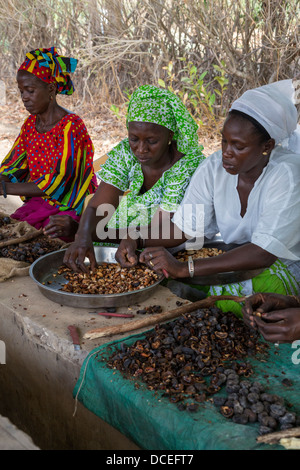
105 129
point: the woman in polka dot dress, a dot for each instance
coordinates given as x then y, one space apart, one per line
50 165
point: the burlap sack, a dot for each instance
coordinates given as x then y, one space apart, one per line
16 232
11 268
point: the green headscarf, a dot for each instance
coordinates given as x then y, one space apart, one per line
159 106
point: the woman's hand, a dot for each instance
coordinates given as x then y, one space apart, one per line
161 261
75 255
265 302
280 326
61 225
126 253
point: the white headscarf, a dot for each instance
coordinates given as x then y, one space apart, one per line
273 106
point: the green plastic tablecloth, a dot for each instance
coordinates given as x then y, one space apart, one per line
153 423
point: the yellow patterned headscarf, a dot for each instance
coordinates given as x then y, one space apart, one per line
50 67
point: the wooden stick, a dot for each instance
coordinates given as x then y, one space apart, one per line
274 437
160 317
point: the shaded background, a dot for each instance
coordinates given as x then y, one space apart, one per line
208 52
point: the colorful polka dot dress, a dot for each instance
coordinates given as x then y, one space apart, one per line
59 162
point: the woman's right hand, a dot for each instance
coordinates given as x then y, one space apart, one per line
280 326
76 253
126 253
263 303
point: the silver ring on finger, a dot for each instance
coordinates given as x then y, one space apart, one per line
150 255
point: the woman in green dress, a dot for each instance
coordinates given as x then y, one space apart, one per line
153 166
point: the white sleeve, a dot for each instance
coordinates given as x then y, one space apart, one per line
278 227
196 215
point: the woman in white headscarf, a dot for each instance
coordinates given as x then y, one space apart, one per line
250 193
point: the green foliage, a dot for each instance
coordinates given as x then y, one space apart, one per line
120 112
203 98
116 111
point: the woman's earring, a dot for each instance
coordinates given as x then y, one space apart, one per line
265 153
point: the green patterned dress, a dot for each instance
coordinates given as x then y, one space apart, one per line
123 170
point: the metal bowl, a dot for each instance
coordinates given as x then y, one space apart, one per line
42 270
216 279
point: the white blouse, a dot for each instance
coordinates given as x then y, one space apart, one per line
272 219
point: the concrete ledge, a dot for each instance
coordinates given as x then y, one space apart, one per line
42 368
12 438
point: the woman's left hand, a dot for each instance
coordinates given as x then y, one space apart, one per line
61 226
280 326
161 261
126 253
263 302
